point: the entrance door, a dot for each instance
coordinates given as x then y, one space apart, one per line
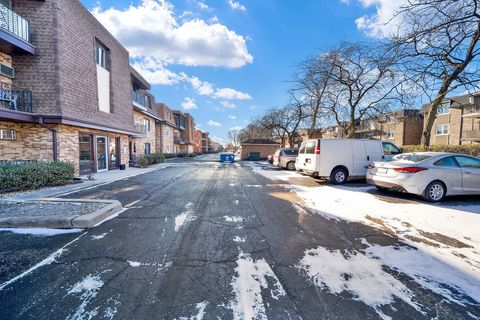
102 154
86 153
114 148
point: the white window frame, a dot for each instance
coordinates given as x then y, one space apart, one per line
444 130
146 124
12 136
167 132
100 55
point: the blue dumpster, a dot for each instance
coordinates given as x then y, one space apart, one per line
224 157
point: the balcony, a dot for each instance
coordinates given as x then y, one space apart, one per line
139 100
471 112
14 32
12 98
472 135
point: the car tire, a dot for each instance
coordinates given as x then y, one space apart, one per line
382 189
435 191
291 166
339 176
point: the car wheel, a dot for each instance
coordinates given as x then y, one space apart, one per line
382 189
435 191
339 176
291 166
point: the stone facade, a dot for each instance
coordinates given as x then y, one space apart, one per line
148 136
165 130
32 142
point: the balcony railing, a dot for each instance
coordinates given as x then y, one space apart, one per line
14 23
16 99
472 135
138 98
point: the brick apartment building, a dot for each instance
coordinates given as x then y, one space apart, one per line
197 141
183 136
166 129
204 142
80 109
457 122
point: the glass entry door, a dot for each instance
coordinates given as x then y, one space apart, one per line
114 149
102 153
86 154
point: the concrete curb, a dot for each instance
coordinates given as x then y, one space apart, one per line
78 221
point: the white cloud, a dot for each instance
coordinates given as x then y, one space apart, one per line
232 117
214 123
161 36
236 128
231 94
189 103
382 23
228 105
203 88
202 5
236 5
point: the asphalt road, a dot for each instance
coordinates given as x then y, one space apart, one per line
173 254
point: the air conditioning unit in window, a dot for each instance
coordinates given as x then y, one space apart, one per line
6 71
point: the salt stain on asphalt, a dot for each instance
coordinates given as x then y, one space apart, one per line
251 277
48 260
184 216
337 271
88 288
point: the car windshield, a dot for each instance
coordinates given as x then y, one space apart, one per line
410 157
290 152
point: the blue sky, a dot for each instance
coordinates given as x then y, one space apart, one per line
257 45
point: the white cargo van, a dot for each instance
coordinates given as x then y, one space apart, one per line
339 159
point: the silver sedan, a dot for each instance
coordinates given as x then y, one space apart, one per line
432 175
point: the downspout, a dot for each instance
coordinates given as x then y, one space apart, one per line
54 138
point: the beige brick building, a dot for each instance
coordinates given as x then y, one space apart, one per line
252 149
457 122
165 129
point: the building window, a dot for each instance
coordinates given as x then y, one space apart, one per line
146 124
442 129
168 116
8 134
147 149
101 55
390 134
167 132
444 108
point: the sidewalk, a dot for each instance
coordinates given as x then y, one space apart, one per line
100 178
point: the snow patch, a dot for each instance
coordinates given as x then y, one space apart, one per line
134 263
232 184
88 288
100 236
253 185
233 219
184 216
40 231
239 239
251 277
236 202
360 275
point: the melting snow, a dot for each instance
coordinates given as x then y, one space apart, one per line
134 263
233 219
184 216
356 273
236 202
239 239
88 288
100 236
200 312
251 277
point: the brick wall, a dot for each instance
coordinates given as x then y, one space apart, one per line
413 128
62 75
265 150
167 138
7 60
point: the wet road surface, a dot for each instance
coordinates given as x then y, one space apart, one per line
198 239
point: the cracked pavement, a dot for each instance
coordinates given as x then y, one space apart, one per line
175 249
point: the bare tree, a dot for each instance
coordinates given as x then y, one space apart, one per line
284 122
255 131
234 137
310 85
440 42
363 82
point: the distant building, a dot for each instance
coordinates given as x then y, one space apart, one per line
257 149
